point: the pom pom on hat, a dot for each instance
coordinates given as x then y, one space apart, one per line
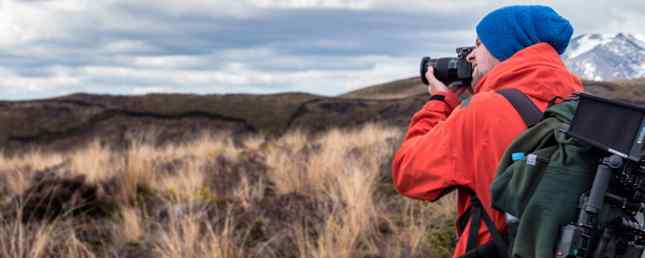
510 29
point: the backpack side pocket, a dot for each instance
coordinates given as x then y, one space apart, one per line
513 189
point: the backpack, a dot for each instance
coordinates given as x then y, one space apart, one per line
539 180
545 177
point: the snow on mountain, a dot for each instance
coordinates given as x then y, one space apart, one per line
584 43
607 57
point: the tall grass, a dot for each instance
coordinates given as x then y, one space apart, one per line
170 207
186 237
24 241
36 240
17 171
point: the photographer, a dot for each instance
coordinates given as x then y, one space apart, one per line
454 144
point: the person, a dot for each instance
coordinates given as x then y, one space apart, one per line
457 144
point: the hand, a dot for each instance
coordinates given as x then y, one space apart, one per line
437 87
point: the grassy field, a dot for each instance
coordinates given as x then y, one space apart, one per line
306 196
314 195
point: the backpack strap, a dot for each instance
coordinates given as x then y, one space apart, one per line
476 210
523 105
498 247
531 115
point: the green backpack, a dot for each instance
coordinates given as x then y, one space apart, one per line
533 162
540 179
539 184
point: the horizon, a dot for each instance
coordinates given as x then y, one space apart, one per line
329 47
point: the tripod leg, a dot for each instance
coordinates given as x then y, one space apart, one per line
606 246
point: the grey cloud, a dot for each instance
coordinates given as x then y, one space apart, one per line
297 31
274 49
317 34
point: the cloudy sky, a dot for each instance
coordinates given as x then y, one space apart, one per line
56 47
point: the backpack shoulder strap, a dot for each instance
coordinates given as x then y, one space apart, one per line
530 113
498 247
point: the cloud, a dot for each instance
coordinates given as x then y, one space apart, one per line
328 47
19 24
128 46
173 61
15 86
344 4
232 77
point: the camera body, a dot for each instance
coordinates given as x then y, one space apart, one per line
452 71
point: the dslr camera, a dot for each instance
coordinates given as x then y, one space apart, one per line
453 72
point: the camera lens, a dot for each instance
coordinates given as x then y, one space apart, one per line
445 69
425 63
453 72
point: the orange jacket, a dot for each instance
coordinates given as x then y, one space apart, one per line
451 144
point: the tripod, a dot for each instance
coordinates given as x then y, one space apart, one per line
623 236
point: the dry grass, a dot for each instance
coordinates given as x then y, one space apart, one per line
35 160
94 161
316 196
183 187
248 192
24 241
131 228
186 237
18 171
627 90
287 163
36 240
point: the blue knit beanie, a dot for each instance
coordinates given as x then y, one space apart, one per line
513 28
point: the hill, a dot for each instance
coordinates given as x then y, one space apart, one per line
62 122
627 90
391 90
73 120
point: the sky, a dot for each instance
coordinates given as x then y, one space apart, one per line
328 47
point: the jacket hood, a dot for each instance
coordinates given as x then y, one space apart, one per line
538 71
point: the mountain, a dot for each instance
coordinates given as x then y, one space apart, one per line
607 57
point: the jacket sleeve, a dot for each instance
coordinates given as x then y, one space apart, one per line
425 165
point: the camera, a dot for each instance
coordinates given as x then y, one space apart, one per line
452 71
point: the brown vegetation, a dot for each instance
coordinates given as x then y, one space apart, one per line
62 123
299 195
289 175
66 122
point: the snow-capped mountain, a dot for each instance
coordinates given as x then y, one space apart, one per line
606 57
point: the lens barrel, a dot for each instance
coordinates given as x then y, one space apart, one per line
452 71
